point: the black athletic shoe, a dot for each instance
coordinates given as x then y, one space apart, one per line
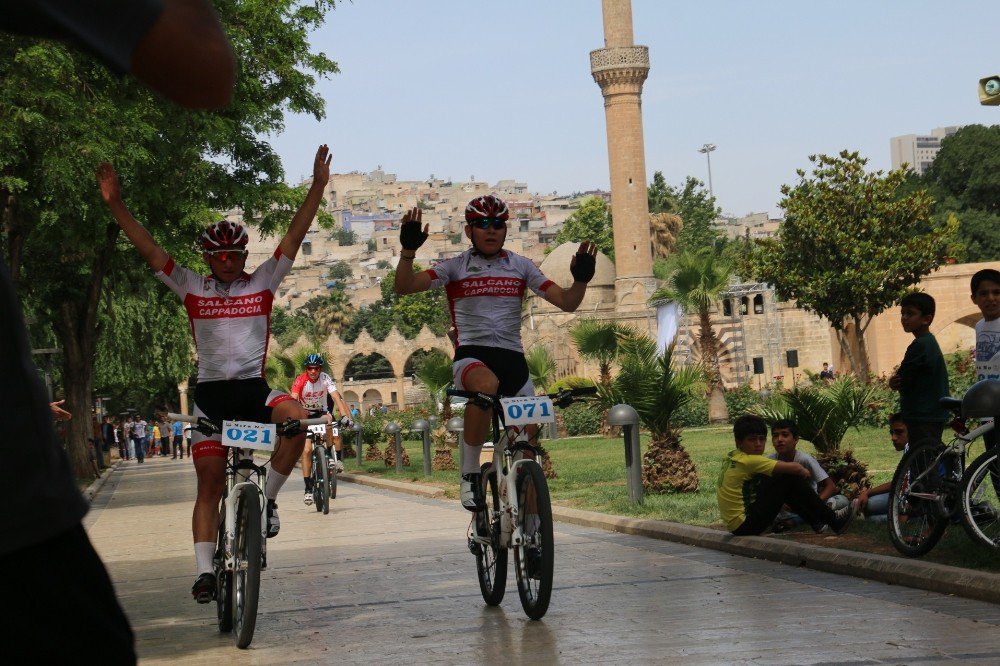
273 524
203 589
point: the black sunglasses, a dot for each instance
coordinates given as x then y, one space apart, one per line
488 222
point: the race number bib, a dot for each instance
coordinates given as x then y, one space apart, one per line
319 429
528 409
246 435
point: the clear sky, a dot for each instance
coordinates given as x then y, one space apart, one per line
461 88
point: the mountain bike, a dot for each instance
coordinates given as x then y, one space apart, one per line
324 463
932 487
241 545
519 513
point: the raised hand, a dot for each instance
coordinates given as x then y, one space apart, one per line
321 165
411 234
108 181
584 262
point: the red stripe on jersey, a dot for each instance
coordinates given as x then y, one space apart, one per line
209 448
432 273
280 399
546 285
234 307
168 268
512 287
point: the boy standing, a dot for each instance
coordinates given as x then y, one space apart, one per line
785 439
986 295
752 488
922 377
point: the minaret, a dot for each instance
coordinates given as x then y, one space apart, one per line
620 69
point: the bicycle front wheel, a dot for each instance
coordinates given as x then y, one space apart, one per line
534 558
916 520
321 474
223 577
491 559
980 500
246 576
332 466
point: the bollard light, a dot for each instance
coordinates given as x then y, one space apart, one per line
432 422
392 428
456 424
359 440
626 417
423 427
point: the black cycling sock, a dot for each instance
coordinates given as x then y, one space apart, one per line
340 455
309 483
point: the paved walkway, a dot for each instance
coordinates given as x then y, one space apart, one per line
386 579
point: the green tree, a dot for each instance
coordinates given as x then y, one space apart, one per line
965 182
340 271
850 246
657 391
698 211
660 196
598 341
345 237
330 313
541 366
591 221
696 283
64 113
434 372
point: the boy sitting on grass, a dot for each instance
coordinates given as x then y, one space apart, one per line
752 488
785 439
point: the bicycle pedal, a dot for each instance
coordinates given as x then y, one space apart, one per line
475 548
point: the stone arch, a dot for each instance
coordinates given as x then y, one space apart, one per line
351 398
408 364
354 374
369 399
958 332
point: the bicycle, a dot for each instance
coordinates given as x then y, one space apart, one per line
932 484
324 464
241 544
519 511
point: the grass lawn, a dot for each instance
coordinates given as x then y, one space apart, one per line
591 475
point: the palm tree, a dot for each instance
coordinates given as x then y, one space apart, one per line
280 371
696 283
823 415
657 390
598 341
434 372
541 367
665 229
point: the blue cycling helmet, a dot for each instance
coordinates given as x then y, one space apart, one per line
314 359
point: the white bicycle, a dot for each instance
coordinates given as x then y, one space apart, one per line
519 510
241 546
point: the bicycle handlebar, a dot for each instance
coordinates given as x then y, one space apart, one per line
208 426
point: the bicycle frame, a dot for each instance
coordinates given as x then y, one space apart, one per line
234 490
505 470
959 445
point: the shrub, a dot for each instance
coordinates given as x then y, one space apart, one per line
692 414
741 400
571 381
582 418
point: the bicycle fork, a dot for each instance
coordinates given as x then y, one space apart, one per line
231 502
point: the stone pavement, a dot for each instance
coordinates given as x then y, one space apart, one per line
386 579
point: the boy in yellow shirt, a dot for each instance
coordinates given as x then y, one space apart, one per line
752 488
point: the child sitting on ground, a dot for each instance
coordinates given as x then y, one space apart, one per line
752 488
874 502
785 439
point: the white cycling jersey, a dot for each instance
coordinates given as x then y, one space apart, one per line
230 323
484 296
312 395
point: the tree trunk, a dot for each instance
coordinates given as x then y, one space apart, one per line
845 349
718 411
75 324
865 361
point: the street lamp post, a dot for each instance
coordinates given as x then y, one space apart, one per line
707 150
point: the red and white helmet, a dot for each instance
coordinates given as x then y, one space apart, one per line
224 234
488 207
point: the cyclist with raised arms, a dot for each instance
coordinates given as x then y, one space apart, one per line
230 312
312 388
485 287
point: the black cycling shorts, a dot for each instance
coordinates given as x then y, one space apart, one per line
508 366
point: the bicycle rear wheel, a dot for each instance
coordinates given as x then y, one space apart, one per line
491 559
248 563
981 501
321 474
223 578
916 516
535 557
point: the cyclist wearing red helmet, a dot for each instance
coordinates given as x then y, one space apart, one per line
485 287
229 312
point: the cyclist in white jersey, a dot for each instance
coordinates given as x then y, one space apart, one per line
485 286
312 388
229 312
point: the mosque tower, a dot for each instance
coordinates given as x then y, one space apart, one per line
620 69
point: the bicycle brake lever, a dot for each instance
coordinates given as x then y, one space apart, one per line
207 427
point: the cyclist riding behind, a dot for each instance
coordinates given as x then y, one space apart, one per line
312 388
230 313
485 287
